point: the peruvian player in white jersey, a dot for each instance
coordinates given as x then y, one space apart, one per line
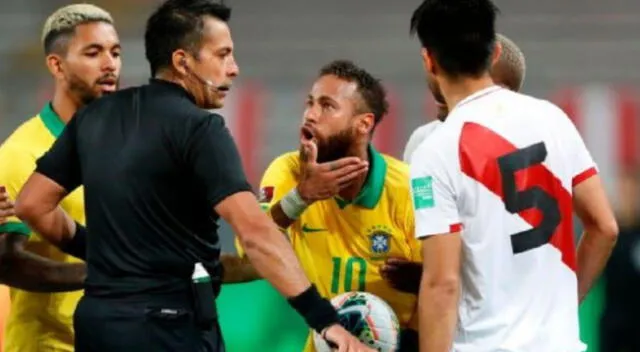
494 190
508 71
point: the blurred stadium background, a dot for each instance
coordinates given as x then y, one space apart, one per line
581 54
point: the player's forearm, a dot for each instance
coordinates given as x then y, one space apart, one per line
31 272
438 308
594 251
274 260
237 269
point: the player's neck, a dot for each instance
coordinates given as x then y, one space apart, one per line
351 192
64 106
456 91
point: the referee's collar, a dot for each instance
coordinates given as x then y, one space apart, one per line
173 87
371 191
51 120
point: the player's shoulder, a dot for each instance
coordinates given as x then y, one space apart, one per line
539 110
397 174
424 130
286 162
528 101
31 137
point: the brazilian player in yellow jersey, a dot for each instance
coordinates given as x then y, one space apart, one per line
83 54
345 207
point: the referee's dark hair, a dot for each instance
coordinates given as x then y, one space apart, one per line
178 24
372 93
459 34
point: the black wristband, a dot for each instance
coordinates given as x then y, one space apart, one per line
409 341
318 312
77 246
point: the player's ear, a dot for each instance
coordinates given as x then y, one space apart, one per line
427 61
497 52
180 61
365 123
54 65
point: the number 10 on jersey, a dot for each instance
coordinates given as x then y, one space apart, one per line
345 271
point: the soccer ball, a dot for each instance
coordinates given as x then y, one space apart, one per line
367 317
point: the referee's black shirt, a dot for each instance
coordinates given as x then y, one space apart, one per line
153 166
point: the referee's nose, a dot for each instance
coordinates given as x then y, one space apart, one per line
233 70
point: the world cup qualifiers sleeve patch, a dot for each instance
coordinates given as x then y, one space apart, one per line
266 194
422 190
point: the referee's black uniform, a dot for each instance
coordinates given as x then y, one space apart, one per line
153 165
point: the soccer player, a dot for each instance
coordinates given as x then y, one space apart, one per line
83 55
509 72
494 190
344 219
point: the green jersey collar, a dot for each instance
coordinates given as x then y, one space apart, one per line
372 189
51 120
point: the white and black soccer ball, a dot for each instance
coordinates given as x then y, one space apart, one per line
367 317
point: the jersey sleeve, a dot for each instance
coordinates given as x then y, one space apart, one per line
407 223
582 164
62 163
213 157
433 194
277 181
17 166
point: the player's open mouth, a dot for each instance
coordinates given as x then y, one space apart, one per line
306 133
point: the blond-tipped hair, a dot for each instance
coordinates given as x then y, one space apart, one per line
66 19
513 61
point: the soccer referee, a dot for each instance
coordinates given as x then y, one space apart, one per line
158 170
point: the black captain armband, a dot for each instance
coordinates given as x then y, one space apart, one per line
77 246
317 311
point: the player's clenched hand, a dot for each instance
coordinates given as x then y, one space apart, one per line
6 205
325 180
403 275
344 341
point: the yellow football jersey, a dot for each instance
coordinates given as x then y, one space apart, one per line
37 322
343 245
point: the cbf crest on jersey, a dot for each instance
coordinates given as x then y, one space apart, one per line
380 240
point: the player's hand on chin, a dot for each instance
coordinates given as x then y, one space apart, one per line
344 341
6 205
326 180
402 274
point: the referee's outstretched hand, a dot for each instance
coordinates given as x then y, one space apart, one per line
325 180
6 205
344 341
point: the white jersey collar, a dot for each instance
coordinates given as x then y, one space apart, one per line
477 95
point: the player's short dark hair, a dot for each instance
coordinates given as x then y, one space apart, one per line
460 34
374 96
178 24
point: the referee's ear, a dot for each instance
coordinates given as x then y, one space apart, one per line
179 62
54 64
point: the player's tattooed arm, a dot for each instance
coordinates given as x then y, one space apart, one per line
237 269
28 271
318 181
